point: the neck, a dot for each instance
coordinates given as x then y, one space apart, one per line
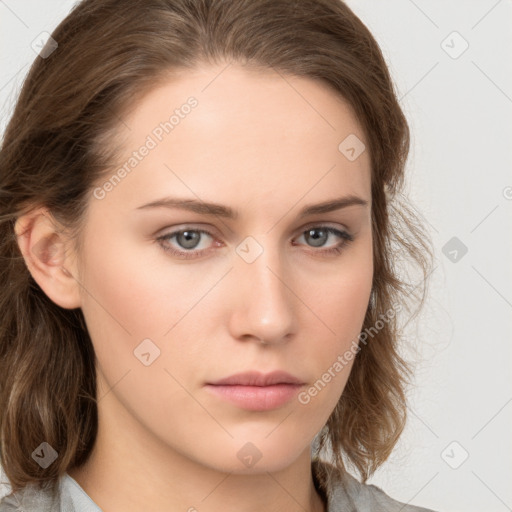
131 469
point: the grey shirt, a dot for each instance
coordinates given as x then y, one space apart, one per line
341 491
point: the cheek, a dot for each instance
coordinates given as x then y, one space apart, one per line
344 302
134 292
340 302
342 294
138 314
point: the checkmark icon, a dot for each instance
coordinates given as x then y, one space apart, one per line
454 45
454 455
44 45
44 455
249 249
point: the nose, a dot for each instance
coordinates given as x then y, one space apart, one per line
263 300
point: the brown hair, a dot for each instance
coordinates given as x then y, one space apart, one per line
110 52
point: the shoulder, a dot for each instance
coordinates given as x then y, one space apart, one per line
31 499
344 492
68 496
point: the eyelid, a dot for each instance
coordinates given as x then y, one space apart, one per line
343 234
183 254
335 225
213 232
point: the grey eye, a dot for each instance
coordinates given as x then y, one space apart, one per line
316 237
188 239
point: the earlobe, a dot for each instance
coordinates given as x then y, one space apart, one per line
43 246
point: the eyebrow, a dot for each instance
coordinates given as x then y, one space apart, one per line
220 210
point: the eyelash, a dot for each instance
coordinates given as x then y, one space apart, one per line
345 236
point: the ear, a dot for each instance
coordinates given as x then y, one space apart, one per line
44 247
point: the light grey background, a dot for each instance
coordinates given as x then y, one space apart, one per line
459 108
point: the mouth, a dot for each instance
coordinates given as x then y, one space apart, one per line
255 391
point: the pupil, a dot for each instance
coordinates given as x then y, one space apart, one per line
318 240
188 239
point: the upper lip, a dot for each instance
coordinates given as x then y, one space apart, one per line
254 378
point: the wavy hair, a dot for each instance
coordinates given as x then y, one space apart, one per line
58 144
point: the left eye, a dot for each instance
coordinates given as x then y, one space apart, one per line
319 235
189 240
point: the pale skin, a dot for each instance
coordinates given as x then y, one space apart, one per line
266 147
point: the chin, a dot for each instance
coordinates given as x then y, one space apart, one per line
258 456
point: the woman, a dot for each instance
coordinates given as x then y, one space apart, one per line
200 288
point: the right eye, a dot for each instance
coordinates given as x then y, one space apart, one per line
188 240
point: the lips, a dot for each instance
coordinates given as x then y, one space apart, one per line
254 378
255 391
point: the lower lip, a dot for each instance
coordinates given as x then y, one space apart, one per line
256 398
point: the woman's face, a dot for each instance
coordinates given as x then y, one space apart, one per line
170 317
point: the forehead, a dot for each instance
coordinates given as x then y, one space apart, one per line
257 137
